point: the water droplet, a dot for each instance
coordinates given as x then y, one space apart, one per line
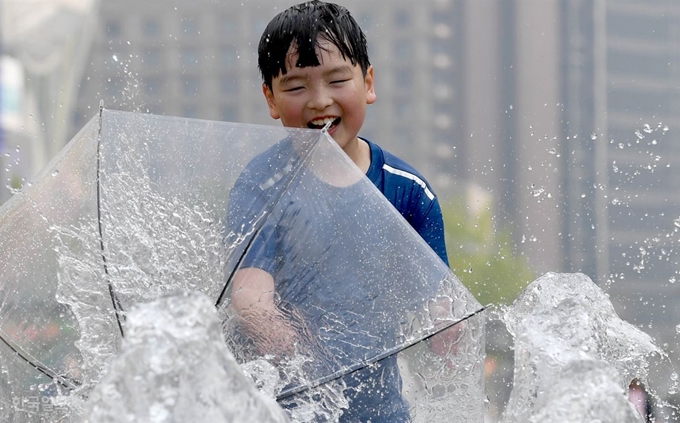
55 173
593 136
115 58
676 222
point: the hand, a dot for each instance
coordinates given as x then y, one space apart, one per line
271 329
271 332
445 343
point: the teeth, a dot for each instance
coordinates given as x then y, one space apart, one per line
322 122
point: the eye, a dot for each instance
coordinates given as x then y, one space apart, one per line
339 81
293 89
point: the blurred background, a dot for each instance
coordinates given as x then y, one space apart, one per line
548 128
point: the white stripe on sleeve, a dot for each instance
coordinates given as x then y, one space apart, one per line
412 177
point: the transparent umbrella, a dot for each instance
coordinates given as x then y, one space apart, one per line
138 206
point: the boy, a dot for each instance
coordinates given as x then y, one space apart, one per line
315 68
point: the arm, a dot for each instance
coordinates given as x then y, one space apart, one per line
253 296
445 343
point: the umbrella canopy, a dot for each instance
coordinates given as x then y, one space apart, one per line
139 206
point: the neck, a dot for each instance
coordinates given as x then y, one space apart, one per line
360 153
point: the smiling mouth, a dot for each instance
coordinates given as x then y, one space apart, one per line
320 123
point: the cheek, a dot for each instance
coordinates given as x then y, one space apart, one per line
349 96
291 112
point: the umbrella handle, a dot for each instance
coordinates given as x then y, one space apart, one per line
351 369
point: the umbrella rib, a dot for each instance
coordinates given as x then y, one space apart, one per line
64 381
114 298
259 229
351 369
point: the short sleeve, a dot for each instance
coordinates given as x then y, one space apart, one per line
431 229
250 234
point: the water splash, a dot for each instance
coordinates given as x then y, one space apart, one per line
571 349
174 366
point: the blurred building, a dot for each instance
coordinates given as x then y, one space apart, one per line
643 162
619 145
587 131
44 45
619 98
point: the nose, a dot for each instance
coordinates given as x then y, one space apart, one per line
320 98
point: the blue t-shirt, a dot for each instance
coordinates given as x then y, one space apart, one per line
408 191
328 292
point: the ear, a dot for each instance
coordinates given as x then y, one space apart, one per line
271 102
370 86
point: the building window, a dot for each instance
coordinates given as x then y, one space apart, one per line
189 56
113 29
152 57
151 27
441 46
441 18
228 113
227 27
402 50
403 78
113 85
190 85
227 56
441 137
441 77
152 86
79 119
638 26
228 85
259 25
641 64
402 110
190 26
402 19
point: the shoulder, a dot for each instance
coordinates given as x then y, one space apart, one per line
394 173
269 167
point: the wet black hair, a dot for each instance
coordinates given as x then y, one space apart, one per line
303 26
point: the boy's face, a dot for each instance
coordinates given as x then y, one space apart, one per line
334 91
